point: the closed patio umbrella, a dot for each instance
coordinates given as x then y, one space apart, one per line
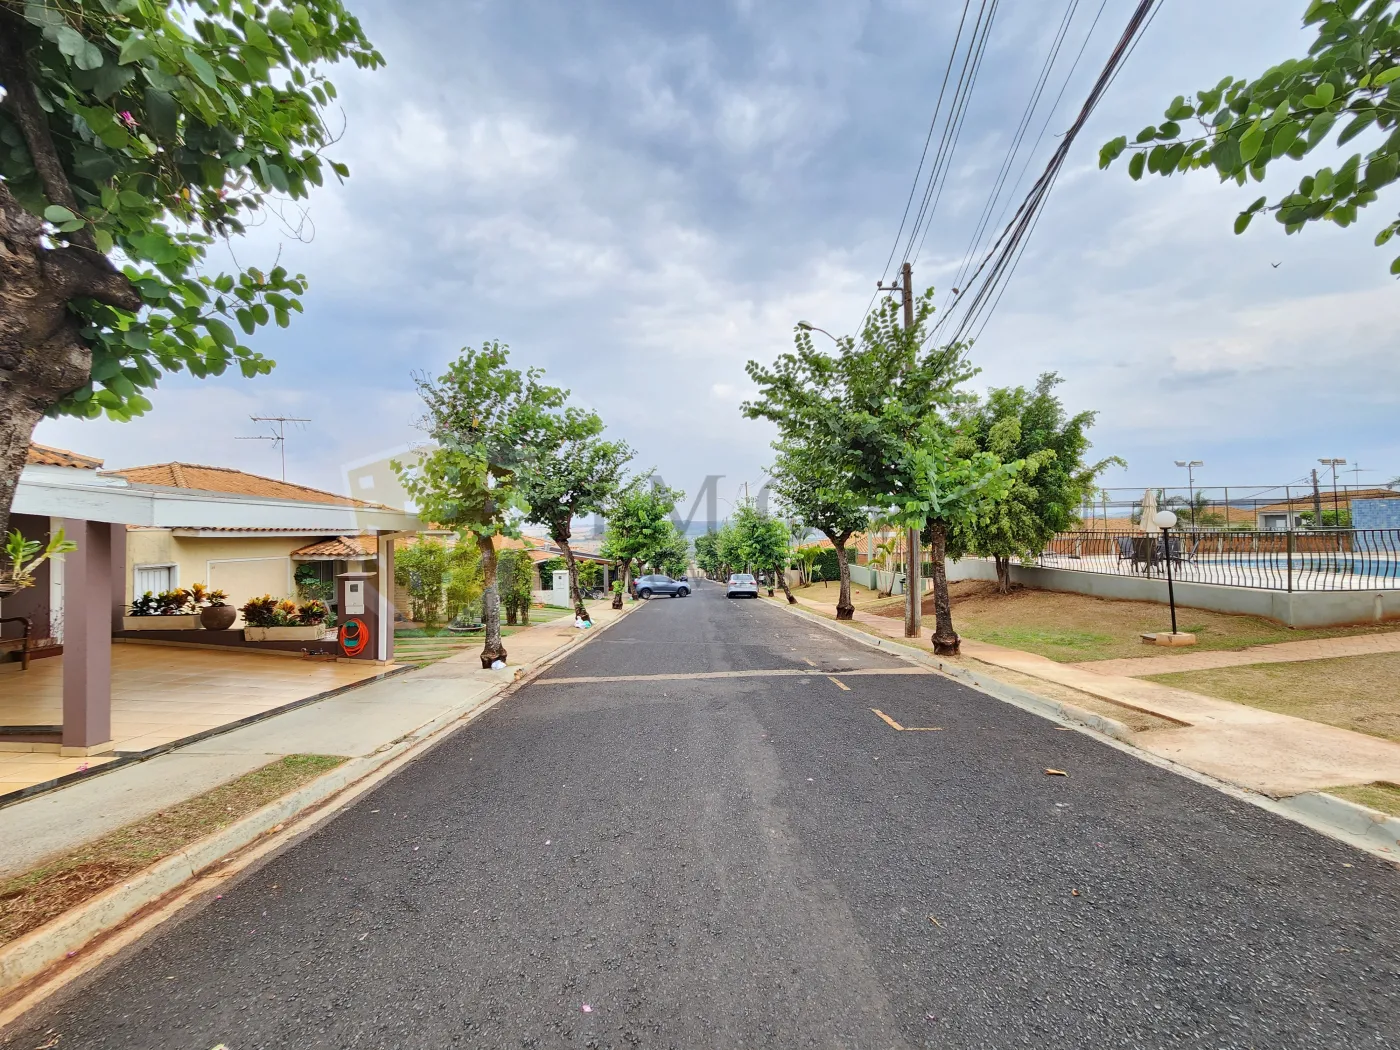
1149 511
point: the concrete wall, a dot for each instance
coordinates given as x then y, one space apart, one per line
242 567
1298 609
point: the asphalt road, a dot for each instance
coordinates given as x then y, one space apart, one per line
761 861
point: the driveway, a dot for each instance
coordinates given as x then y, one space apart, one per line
721 844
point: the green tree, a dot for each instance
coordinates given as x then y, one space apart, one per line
873 407
487 419
809 483
421 568
134 134
755 539
465 583
1349 82
515 576
707 554
638 525
1014 423
669 552
575 472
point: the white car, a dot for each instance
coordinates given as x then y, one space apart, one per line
741 585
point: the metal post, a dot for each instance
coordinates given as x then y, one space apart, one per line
1290 557
1171 594
913 617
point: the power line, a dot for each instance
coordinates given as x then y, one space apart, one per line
1006 249
914 186
953 125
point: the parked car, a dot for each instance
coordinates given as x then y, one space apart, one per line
653 586
741 585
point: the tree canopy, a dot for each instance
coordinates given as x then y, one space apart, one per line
133 135
1348 83
489 421
1014 423
639 529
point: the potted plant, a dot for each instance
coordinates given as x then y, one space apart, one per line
215 613
268 619
171 610
21 557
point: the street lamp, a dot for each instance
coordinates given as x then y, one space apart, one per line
1167 520
1336 507
807 326
1191 466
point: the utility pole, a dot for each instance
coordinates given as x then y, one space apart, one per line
1335 462
1191 465
1317 503
279 438
913 586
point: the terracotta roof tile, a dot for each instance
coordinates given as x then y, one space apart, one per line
342 548
47 456
232 482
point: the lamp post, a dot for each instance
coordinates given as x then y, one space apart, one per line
1167 520
1191 466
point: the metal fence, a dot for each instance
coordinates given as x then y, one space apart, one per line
1272 559
1301 504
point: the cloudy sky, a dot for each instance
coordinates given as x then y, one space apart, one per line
641 196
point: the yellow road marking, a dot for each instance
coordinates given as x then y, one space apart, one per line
888 719
839 684
905 729
808 662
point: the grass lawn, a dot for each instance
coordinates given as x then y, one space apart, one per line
829 591
1072 628
418 645
1353 692
1380 795
28 901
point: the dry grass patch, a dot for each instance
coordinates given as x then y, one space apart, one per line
1381 795
1352 692
1073 628
29 900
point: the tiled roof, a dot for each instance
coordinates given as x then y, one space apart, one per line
342 548
1343 498
233 482
46 456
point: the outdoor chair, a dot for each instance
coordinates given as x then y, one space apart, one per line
22 643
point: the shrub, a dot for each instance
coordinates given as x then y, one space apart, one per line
145 605
172 603
260 612
313 612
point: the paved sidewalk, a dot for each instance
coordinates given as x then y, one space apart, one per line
1279 653
354 724
1273 754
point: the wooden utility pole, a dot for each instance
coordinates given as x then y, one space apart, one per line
913 584
1317 504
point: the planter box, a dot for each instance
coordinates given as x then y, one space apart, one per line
178 622
314 633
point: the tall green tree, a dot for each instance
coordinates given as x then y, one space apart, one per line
878 407
488 421
1014 423
638 524
1346 87
757 539
575 472
809 483
133 134
707 556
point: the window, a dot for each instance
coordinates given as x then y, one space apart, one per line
154 578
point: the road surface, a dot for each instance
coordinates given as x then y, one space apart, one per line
758 859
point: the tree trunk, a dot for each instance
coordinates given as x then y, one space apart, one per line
945 639
44 355
620 570
490 604
575 595
1003 574
845 610
782 582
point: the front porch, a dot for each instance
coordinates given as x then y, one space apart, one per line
159 694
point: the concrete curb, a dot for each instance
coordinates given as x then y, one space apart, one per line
28 957
1056 710
1315 808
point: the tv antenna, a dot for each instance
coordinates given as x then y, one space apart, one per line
278 437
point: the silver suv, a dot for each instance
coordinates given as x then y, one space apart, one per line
654 586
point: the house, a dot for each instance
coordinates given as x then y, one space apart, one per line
244 563
1289 513
77 602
